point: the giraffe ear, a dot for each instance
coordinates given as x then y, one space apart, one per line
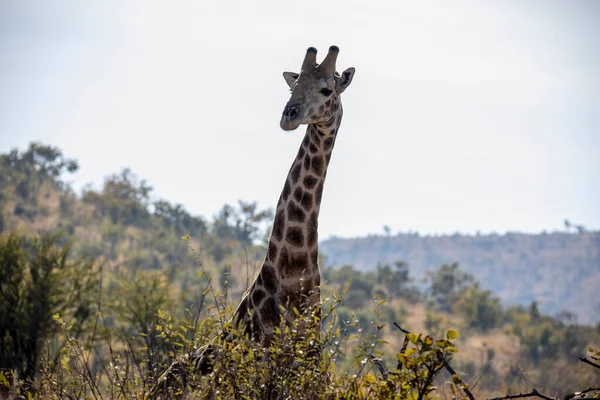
344 80
290 78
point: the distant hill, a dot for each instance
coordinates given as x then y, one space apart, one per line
559 270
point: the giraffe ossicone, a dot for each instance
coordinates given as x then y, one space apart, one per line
289 280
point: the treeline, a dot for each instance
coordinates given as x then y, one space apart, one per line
559 269
101 291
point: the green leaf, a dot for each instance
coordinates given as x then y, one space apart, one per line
451 334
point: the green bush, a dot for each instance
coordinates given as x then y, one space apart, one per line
38 280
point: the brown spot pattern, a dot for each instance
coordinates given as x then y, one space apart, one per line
255 326
317 164
319 193
312 234
307 201
269 278
307 162
301 152
279 225
272 252
295 213
328 144
284 260
313 148
295 236
291 296
305 141
310 181
299 264
296 172
286 190
257 297
270 312
298 193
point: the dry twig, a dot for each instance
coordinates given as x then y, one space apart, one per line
533 393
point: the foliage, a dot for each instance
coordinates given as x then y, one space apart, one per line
480 308
446 285
559 269
115 369
159 301
30 168
242 224
123 199
38 280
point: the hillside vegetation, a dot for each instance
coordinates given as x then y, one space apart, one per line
558 270
101 291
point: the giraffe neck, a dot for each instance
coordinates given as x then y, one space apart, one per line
293 247
290 275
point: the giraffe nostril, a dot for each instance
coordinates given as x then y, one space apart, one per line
291 112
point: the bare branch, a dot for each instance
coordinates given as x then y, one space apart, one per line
533 393
404 344
401 329
585 360
485 370
453 372
377 361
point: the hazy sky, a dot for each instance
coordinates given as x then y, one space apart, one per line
462 116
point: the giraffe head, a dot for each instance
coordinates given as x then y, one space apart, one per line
315 90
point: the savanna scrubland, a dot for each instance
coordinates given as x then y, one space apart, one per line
101 290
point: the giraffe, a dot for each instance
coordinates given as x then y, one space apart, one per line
289 280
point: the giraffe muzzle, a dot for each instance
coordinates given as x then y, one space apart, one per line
290 112
289 117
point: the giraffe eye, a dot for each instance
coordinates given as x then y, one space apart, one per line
326 92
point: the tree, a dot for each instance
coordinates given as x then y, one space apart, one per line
395 280
37 281
446 284
244 224
177 218
137 300
124 199
480 309
387 230
28 170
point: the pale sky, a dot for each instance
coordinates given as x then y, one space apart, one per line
462 116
